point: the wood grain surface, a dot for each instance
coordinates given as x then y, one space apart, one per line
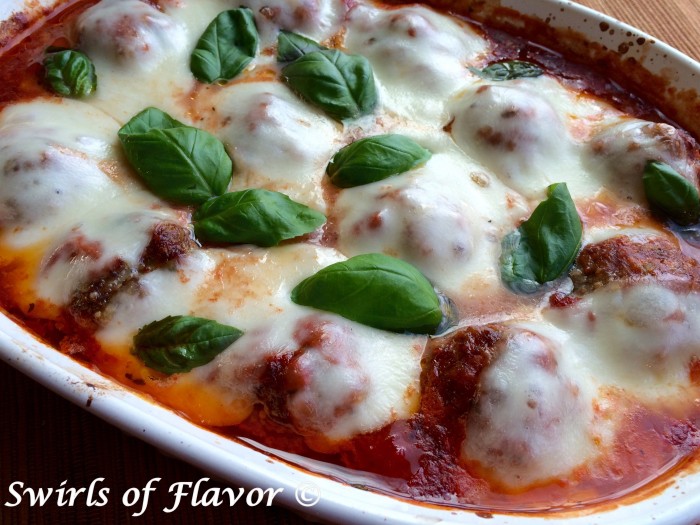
676 22
45 440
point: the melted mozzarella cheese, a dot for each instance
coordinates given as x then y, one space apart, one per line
277 141
318 19
446 218
56 166
526 132
347 380
93 246
596 235
195 16
496 147
419 57
534 418
141 57
355 380
160 293
241 286
251 284
130 33
640 337
620 149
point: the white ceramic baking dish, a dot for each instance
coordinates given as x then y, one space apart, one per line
677 503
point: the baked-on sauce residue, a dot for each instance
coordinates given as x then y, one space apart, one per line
418 457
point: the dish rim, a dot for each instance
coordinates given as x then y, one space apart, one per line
240 464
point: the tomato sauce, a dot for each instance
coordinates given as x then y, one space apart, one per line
418 457
21 74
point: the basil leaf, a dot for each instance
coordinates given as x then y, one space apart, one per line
148 119
180 343
671 193
255 216
179 163
375 158
70 73
226 47
508 70
545 245
341 85
375 290
291 46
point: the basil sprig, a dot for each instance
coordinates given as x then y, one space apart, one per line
375 158
508 70
341 85
291 46
226 47
671 193
177 162
545 245
70 73
375 290
180 343
254 216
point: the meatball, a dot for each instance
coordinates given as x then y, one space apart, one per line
129 33
621 149
412 47
533 420
516 133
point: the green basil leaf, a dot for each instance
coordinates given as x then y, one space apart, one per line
508 70
545 245
70 73
375 158
148 119
180 343
226 47
255 216
179 163
671 193
375 290
341 85
291 46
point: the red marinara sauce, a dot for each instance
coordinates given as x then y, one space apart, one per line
418 457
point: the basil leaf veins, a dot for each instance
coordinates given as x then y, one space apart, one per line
375 290
341 85
545 245
180 343
226 47
671 193
254 216
70 73
375 158
291 46
508 70
148 119
180 163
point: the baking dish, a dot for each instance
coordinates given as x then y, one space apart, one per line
342 502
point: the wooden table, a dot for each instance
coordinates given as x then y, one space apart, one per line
45 440
676 22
